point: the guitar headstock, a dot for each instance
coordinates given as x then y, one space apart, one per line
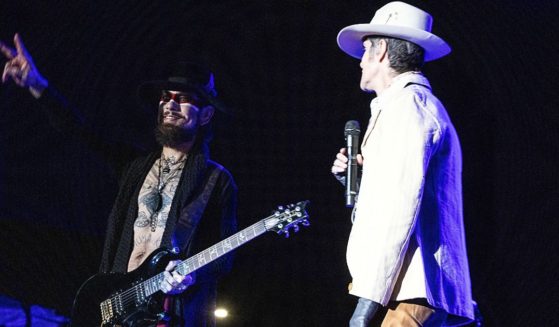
286 217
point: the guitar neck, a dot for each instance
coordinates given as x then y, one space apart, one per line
113 308
227 245
212 253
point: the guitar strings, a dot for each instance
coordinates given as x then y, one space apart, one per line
129 296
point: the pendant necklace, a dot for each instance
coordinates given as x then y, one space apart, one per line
156 196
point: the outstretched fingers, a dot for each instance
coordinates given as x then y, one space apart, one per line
5 72
17 65
7 51
21 69
20 47
11 53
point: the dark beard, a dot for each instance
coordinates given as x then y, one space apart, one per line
171 136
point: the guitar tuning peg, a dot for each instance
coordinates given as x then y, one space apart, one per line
306 223
286 234
295 228
280 208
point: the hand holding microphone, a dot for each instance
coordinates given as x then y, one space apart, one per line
344 167
339 166
351 132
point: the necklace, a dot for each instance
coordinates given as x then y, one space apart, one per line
171 161
156 196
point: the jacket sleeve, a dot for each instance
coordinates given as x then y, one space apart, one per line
70 121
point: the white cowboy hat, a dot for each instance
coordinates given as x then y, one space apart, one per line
399 20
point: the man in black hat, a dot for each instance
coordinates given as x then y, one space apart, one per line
174 197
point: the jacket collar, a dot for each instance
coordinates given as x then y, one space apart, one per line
398 83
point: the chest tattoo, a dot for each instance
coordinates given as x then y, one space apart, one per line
155 198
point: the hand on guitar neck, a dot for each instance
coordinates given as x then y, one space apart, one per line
173 282
121 299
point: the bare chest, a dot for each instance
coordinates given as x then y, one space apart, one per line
154 203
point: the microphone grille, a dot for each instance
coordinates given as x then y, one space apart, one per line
352 128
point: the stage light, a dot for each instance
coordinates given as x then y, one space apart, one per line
221 313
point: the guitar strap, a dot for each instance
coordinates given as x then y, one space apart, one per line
191 214
186 225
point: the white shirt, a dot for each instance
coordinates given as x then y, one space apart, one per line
407 240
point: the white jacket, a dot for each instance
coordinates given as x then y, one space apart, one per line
407 239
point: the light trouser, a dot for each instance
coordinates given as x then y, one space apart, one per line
410 313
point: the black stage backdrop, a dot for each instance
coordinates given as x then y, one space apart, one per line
277 64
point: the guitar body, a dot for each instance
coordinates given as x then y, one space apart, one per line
98 288
134 299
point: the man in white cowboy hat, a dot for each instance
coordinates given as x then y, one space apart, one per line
406 251
173 197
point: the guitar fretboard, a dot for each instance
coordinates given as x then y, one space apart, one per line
148 287
280 222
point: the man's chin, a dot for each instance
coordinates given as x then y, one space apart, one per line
170 134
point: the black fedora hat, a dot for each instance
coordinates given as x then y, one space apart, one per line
184 76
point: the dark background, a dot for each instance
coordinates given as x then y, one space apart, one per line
277 64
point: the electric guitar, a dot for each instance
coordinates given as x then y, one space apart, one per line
121 299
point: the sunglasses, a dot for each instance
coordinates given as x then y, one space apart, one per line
182 97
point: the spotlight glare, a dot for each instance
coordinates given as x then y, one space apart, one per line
221 313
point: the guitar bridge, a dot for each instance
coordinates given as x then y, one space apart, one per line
111 308
106 311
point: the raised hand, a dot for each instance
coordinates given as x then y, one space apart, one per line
21 69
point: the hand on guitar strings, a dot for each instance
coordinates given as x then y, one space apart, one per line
173 282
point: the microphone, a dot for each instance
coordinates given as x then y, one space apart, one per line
351 133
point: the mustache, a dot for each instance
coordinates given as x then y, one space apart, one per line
172 114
